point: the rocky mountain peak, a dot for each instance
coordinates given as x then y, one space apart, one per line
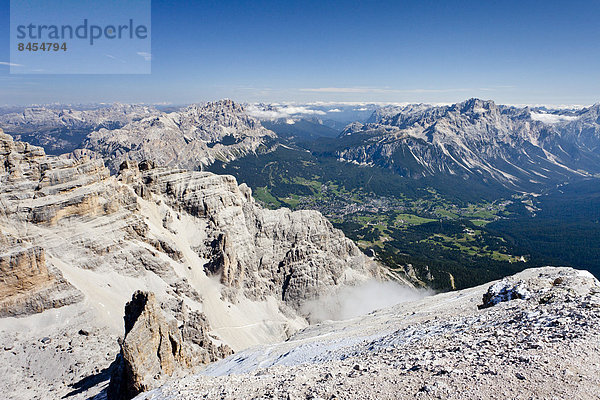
593 113
190 138
475 105
224 106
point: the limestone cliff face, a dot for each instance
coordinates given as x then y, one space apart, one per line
254 252
21 269
226 272
27 286
292 255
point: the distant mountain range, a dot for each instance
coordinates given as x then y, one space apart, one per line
478 141
518 148
62 129
189 137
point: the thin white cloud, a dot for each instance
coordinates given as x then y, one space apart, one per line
115 58
550 106
281 112
551 118
10 64
147 56
334 110
265 114
343 90
379 90
494 88
333 104
302 110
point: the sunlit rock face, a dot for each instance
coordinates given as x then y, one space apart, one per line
478 141
77 242
191 138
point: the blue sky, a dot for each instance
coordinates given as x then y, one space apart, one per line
534 52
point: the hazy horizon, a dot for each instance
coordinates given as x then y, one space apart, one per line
299 103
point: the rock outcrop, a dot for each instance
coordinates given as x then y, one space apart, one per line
154 348
27 286
547 286
151 348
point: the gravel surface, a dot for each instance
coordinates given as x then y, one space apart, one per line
57 355
544 346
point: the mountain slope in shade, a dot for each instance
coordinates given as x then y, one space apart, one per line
518 148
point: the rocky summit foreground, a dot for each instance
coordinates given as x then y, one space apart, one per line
535 335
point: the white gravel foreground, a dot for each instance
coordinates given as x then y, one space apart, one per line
546 346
